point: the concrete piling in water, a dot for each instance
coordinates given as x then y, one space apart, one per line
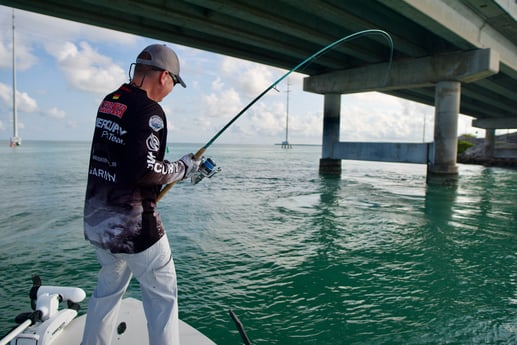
447 107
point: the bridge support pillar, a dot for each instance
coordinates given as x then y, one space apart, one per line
331 123
447 107
489 142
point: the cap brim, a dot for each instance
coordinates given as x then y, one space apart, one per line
181 81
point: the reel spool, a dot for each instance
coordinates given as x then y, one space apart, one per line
207 168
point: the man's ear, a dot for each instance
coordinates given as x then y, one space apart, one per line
163 77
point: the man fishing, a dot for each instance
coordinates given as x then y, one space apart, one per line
126 172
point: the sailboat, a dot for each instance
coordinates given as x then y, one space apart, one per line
16 140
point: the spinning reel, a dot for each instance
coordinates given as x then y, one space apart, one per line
207 168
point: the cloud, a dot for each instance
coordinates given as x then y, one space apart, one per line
168 110
25 59
2 126
71 124
224 103
5 94
24 102
248 77
58 29
71 44
217 84
87 70
54 113
310 125
378 117
265 120
234 85
5 55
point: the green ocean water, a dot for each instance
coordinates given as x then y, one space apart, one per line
374 257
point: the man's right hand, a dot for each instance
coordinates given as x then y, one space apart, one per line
191 164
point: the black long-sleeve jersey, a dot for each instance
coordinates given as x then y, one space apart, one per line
126 172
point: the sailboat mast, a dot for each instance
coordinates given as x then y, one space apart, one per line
287 115
15 127
15 140
285 143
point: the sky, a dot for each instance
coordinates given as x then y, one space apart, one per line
64 69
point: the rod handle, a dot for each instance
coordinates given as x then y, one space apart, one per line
200 153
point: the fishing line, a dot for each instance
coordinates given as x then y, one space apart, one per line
305 62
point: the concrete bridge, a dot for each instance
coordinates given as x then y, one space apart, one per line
458 55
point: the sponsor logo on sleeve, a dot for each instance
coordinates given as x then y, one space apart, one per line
156 123
159 167
153 143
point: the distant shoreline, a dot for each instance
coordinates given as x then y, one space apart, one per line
505 152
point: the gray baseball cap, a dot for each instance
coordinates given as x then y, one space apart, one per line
164 58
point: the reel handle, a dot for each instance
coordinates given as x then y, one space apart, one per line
165 189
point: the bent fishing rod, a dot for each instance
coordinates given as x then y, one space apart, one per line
314 56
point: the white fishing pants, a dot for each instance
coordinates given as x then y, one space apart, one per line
154 270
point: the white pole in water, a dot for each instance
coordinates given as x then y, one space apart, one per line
15 332
287 115
285 144
15 140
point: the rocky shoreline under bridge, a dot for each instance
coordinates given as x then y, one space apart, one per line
504 151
